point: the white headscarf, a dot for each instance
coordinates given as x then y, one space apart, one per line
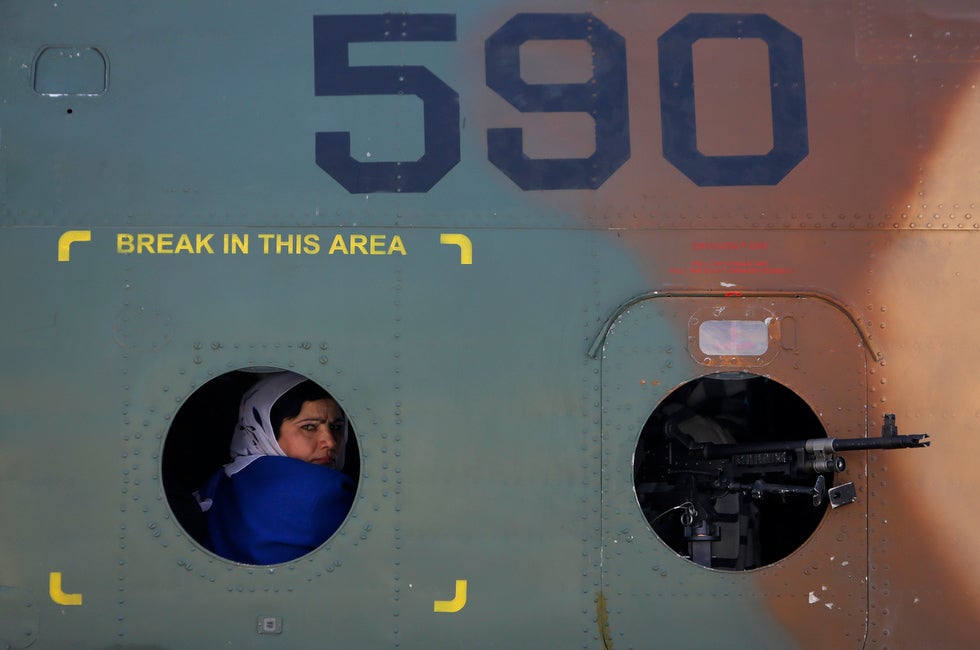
254 435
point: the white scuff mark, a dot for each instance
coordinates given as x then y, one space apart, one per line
368 154
728 285
916 600
844 563
813 598
829 605
823 587
832 557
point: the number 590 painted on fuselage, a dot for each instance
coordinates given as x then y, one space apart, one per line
604 97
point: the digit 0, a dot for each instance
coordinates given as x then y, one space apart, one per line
678 126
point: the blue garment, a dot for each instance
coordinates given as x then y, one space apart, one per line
275 510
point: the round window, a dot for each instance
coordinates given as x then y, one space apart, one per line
260 467
715 480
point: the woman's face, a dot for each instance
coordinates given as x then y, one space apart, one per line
308 436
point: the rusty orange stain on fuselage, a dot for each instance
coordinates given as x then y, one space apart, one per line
889 151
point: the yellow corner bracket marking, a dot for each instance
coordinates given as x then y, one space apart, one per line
464 243
457 603
68 238
57 595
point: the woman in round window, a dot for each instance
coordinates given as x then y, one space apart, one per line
283 494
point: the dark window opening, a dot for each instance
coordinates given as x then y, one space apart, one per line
741 511
197 446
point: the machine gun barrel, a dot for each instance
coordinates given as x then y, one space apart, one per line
712 451
822 447
893 442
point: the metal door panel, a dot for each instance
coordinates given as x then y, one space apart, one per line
653 596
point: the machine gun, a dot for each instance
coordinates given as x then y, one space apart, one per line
701 476
792 458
